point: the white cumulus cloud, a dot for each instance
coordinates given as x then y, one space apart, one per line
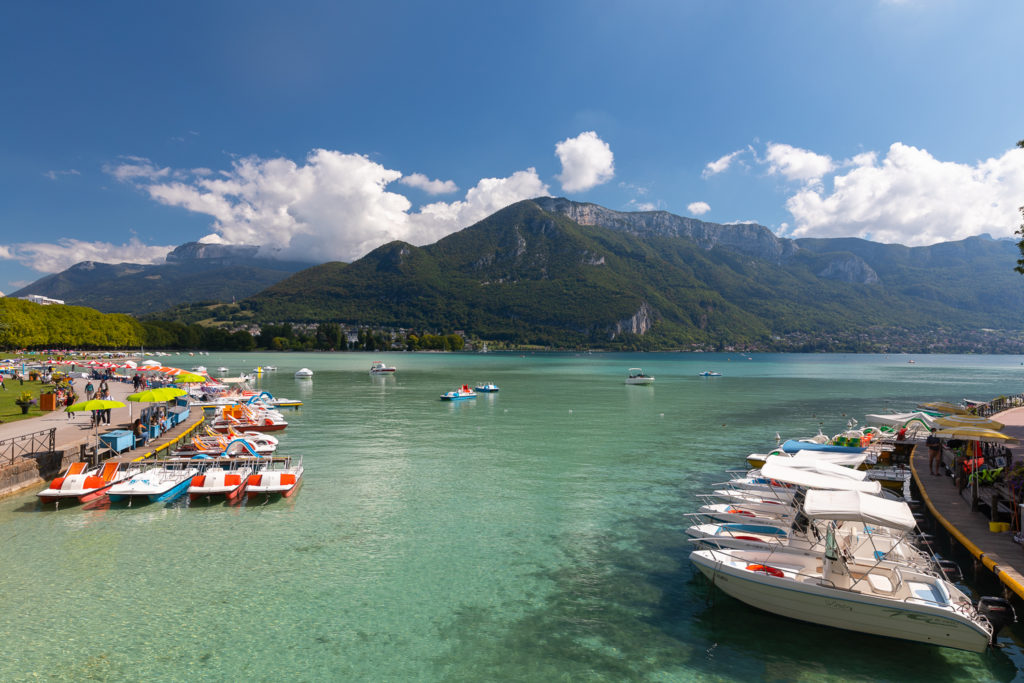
587 161
698 208
912 198
418 180
334 206
721 164
797 164
53 258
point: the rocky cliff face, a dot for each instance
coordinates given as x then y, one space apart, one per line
849 268
748 238
192 251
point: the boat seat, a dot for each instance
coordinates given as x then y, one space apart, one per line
880 583
927 592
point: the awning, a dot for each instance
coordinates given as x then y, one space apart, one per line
847 459
814 480
815 465
858 507
900 420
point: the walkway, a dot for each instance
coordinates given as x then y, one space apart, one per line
72 433
953 510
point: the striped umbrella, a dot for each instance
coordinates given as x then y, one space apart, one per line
968 421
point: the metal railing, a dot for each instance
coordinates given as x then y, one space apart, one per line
28 445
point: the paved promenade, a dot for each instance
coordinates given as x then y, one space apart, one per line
77 430
953 510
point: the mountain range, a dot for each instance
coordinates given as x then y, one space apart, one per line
192 272
561 273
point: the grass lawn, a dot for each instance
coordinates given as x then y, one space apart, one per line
11 411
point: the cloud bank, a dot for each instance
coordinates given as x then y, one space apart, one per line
698 208
53 258
334 206
904 196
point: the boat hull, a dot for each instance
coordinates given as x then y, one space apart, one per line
793 446
816 604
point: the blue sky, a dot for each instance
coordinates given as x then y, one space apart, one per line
322 130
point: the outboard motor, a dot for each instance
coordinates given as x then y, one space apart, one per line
950 569
998 611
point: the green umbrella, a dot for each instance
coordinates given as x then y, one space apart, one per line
94 404
158 395
189 378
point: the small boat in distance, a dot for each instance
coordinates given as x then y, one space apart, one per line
637 376
304 373
222 369
459 394
380 368
486 387
709 373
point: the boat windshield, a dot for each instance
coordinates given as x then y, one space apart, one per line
831 547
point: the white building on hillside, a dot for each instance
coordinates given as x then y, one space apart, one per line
40 299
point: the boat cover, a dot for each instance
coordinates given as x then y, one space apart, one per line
815 480
847 459
903 419
858 507
815 465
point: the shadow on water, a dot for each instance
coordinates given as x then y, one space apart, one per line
630 606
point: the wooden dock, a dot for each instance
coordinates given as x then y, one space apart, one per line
955 511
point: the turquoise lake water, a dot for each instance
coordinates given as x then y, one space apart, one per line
536 534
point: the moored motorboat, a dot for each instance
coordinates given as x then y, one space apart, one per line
841 588
279 476
161 483
459 394
219 480
637 376
709 373
83 484
486 387
378 367
304 373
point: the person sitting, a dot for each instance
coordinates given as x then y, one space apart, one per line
140 433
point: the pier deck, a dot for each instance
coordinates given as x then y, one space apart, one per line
954 511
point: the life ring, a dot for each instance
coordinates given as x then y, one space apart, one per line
771 571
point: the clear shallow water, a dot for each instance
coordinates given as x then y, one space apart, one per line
535 534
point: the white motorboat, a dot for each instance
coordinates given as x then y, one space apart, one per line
158 484
218 480
84 484
637 376
222 369
279 476
839 589
486 387
378 367
304 373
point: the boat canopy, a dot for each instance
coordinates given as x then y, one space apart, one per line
900 420
847 459
856 506
816 465
815 480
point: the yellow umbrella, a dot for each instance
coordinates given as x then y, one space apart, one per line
189 378
968 421
943 407
975 434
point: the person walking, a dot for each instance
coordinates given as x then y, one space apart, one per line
69 399
89 391
934 444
